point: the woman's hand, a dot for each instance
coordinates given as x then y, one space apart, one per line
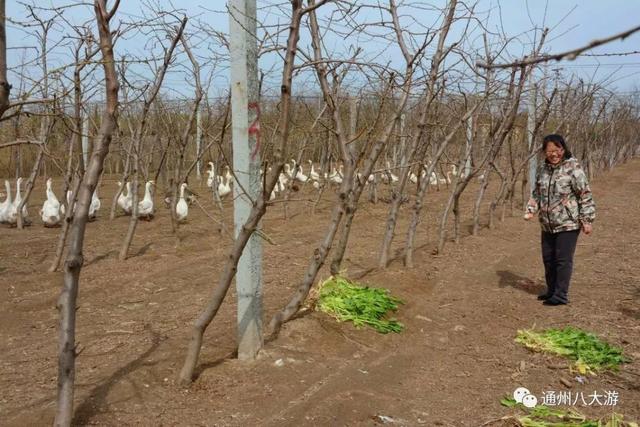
528 216
587 228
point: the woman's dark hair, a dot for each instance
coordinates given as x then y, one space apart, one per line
557 140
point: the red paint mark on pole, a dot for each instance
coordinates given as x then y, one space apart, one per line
254 128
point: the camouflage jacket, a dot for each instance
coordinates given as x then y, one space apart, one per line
562 197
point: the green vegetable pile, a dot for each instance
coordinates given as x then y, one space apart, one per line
543 416
589 352
363 305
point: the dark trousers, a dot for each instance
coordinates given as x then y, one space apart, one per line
557 255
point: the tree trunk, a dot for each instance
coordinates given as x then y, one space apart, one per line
68 217
476 207
5 87
422 190
73 265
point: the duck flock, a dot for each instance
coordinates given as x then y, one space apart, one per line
52 212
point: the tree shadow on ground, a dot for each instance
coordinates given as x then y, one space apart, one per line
630 307
521 283
143 250
212 364
96 399
99 258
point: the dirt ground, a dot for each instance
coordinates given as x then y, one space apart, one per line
451 366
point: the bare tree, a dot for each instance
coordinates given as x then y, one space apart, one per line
436 61
351 188
139 135
73 264
260 205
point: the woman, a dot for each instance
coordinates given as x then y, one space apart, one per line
565 206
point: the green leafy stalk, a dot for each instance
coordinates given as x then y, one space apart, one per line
363 305
543 416
590 353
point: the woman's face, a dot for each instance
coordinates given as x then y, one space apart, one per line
554 153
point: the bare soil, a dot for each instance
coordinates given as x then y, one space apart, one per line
451 366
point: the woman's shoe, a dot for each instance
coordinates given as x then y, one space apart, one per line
553 301
543 297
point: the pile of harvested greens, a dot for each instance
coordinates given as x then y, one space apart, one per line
363 305
543 416
589 352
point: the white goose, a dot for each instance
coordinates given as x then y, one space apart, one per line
412 177
129 204
212 175
282 182
228 175
336 176
312 173
94 207
18 199
182 208
51 208
69 200
145 206
224 189
433 179
300 176
446 180
123 199
390 174
6 206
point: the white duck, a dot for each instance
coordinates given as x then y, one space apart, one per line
182 208
123 199
224 189
145 206
6 206
94 207
51 208
412 177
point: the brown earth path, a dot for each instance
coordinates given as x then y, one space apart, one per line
450 367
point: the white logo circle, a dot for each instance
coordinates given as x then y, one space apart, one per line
519 393
530 401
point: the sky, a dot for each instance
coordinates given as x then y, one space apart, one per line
572 23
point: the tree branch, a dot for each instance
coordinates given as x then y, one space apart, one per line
19 142
570 54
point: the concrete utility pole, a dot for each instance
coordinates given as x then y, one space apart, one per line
531 124
245 113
